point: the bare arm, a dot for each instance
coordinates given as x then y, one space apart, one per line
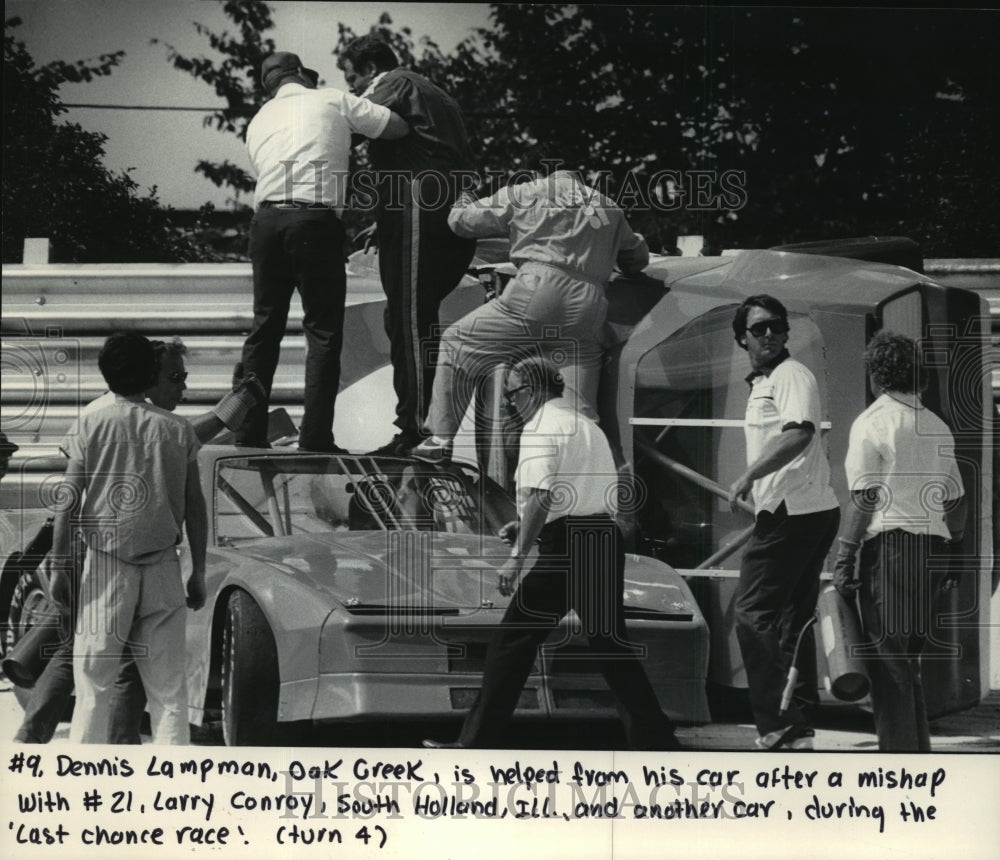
536 509
196 526
60 558
778 452
955 516
860 511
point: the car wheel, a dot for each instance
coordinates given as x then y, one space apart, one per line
28 604
249 675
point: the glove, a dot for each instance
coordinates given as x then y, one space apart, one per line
952 548
845 569
234 406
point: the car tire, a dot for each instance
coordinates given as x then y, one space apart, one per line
249 675
20 615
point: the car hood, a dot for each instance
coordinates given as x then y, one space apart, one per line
424 571
411 569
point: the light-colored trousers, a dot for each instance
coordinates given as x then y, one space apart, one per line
144 606
542 309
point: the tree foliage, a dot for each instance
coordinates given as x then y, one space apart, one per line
842 121
828 122
55 185
234 79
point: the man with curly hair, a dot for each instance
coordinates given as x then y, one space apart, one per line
906 515
420 259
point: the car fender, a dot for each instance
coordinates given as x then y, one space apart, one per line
295 612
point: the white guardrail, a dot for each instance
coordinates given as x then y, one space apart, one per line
56 316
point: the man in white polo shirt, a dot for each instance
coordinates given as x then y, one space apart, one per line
796 521
567 500
906 516
299 144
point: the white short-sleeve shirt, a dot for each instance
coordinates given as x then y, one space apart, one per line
788 396
135 456
900 446
300 141
568 455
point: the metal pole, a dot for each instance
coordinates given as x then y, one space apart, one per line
727 550
691 475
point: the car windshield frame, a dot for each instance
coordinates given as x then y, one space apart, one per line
272 495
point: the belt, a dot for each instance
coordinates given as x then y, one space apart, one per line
292 204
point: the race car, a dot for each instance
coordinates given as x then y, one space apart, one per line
357 587
347 588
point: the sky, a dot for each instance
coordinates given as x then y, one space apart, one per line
163 147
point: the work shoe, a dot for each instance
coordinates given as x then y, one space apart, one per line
788 738
398 446
434 449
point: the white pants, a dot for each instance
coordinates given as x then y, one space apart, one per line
143 606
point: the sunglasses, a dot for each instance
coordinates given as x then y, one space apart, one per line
177 376
776 326
509 395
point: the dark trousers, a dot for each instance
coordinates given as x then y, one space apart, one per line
420 262
776 596
901 573
580 566
297 249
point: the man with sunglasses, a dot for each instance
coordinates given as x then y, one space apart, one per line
132 485
53 689
797 516
566 503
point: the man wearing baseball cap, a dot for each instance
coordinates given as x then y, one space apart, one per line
299 144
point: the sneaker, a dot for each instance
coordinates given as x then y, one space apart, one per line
398 446
433 450
788 738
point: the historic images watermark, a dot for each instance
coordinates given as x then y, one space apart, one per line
662 191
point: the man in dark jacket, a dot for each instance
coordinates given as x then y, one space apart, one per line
418 178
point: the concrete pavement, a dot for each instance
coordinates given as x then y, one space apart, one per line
838 729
